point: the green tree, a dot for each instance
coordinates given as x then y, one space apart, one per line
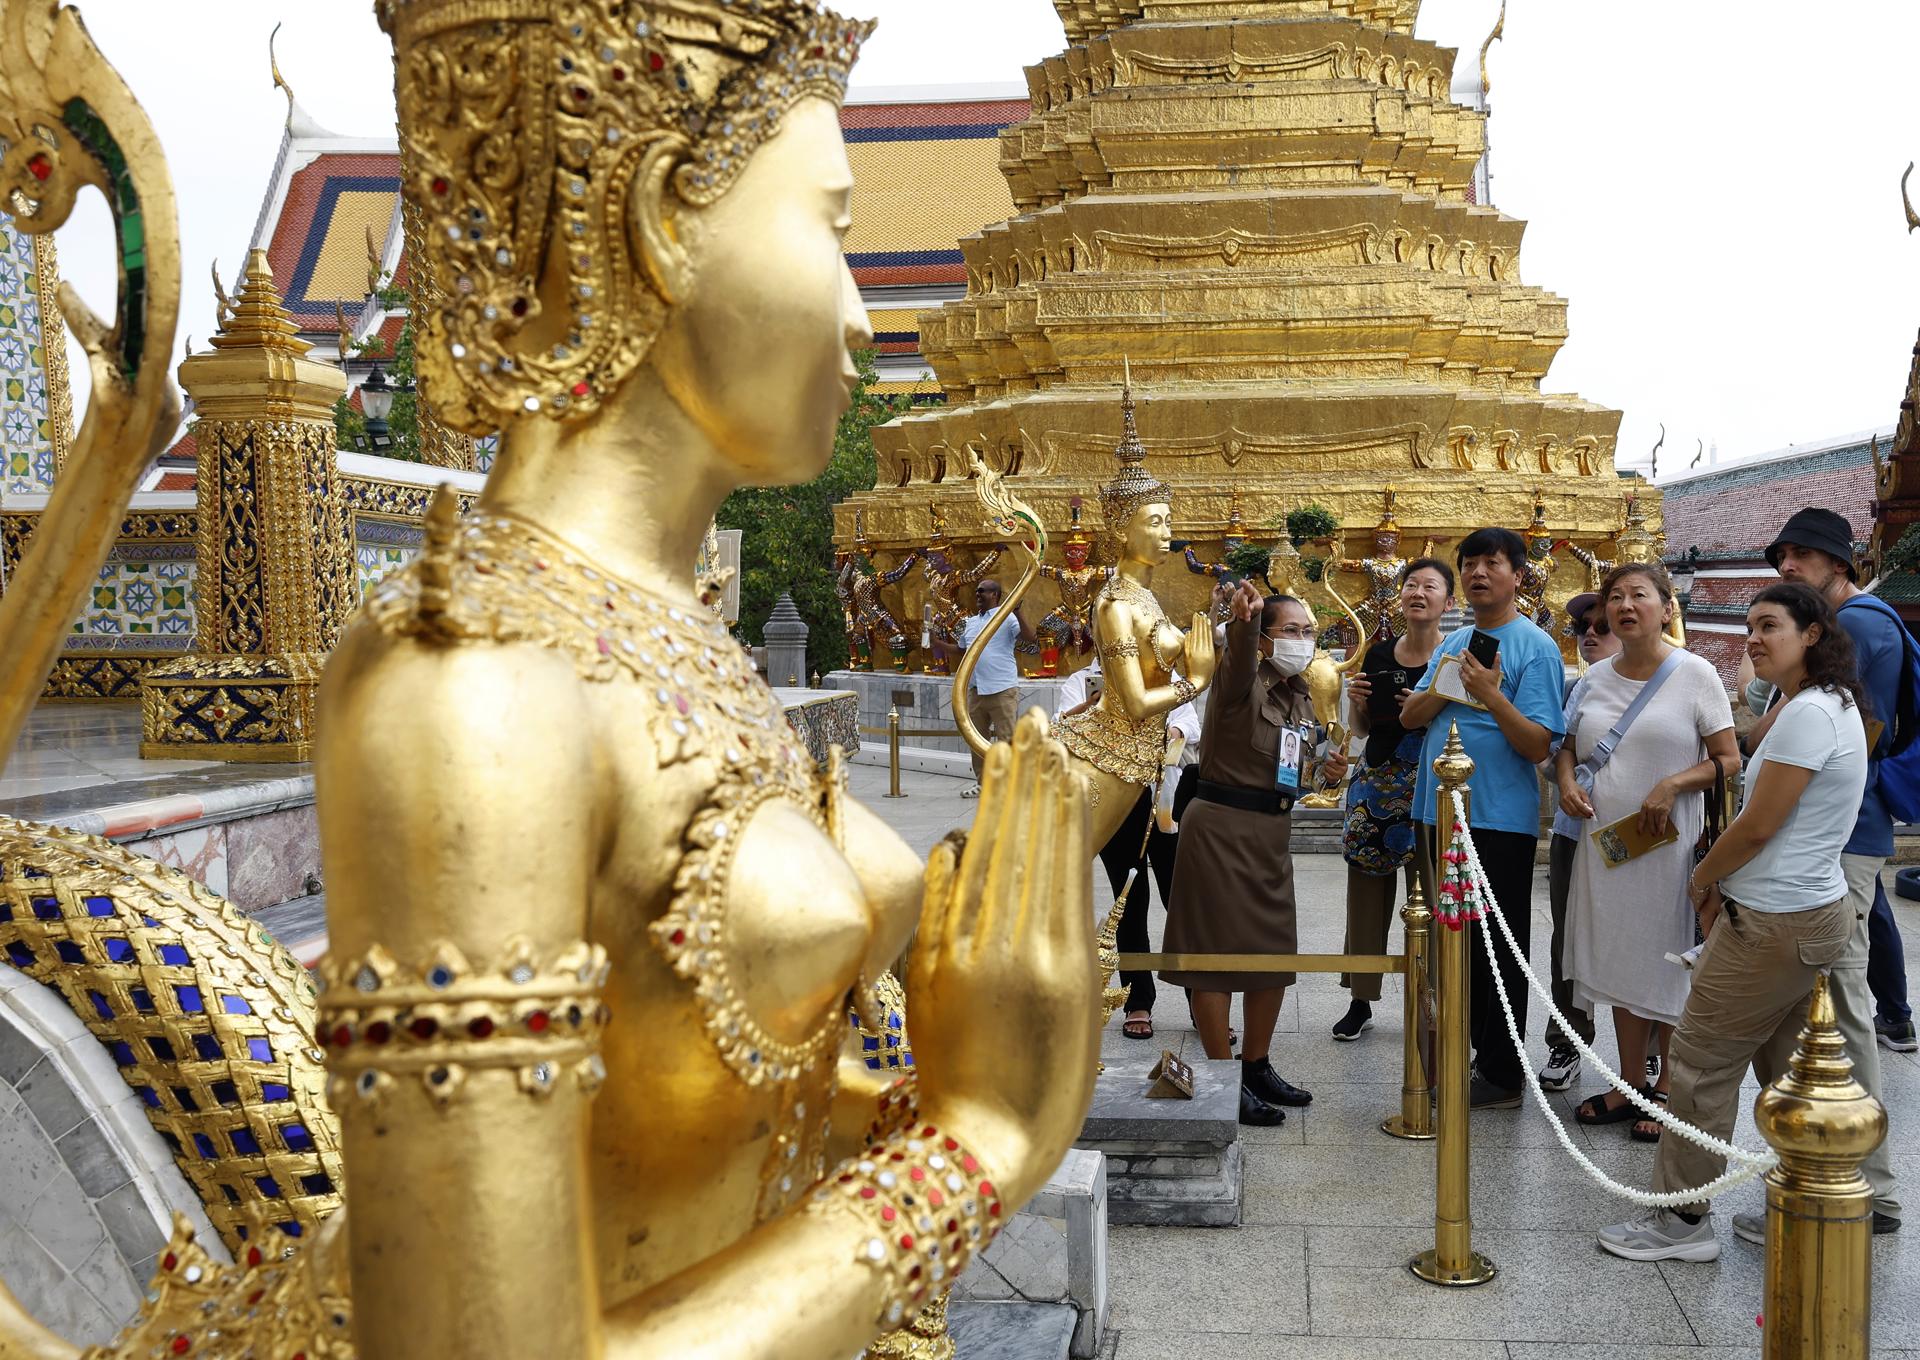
787 539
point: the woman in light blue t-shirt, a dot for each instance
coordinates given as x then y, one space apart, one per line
1772 905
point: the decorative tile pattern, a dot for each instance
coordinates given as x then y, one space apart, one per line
381 546
143 598
484 451
32 408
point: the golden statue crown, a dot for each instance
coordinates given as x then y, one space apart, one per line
1133 486
523 124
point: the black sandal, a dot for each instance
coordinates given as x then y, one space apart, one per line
1640 1130
1140 1027
1595 1110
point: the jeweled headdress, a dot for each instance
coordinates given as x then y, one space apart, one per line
522 126
1388 524
1134 486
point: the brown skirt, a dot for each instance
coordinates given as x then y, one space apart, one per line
1232 894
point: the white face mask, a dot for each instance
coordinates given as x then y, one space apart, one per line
1292 655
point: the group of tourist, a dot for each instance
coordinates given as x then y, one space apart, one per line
1702 940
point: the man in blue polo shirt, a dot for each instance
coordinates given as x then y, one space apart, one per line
1816 549
1508 730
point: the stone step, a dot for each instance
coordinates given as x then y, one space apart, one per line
1010 1331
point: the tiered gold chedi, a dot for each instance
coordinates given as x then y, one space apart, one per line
1267 205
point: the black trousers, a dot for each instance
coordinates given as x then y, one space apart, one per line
1507 856
1120 856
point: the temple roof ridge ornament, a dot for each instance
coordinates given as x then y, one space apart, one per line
258 319
1499 33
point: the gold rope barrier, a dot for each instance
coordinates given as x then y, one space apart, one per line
1453 1261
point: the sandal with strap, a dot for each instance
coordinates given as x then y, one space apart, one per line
1138 1027
1646 1130
1595 1110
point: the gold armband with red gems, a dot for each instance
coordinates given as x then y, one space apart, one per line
538 1016
929 1207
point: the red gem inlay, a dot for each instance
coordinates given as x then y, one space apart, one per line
39 166
519 307
986 1189
918 1174
906 1241
379 1032
952 1146
256 1296
342 1036
935 1198
480 1026
581 389
182 1344
439 186
169 1261
866 1192
888 1213
970 1164
994 1210
619 73
537 1022
680 937
656 62
253 1256
424 1027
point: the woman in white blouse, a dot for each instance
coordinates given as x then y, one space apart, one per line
1626 915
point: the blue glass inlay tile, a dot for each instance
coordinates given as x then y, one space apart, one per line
47 908
273 1090
909 1060
870 1043
268 1186
100 1006
245 1143
204 1145
122 1052
119 951
23 958
296 1137
233 1196
161 1049
207 1047
235 1005
148 1094
185 1097
6 912
175 955
99 906
141 1001
189 999
241 1228
291 1229
224 1093
260 1050
149 922
69 952
319 1183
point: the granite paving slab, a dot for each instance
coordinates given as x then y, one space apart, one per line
1248 1280
1010 1331
1167 1345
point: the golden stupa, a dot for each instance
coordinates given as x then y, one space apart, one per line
1267 207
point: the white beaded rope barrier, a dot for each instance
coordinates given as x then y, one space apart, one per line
1747 1165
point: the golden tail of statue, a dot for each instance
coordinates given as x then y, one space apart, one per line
1015 518
71 122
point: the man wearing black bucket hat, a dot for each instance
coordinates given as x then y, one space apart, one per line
1816 549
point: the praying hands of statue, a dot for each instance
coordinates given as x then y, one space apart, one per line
1002 976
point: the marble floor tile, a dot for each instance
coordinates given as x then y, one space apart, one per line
1209 1279
1359 1285
1170 1345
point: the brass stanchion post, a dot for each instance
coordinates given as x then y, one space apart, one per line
1453 1261
893 754
1819 1299
1415 1120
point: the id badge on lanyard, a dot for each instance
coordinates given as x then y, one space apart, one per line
1290 770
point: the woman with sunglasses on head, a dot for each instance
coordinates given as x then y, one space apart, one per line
1651 734
1233 881
1771 899
1379 831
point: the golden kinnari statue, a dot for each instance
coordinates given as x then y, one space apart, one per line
595 917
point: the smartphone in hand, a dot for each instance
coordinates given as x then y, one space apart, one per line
1484 648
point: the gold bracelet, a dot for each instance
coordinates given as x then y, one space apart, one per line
929 1207
1186 690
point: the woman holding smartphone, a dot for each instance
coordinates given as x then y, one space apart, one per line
1379 834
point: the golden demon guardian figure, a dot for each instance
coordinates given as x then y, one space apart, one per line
858 586
947 612
1380 610
595 917
1070 623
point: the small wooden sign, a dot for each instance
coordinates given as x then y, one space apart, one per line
1172 1079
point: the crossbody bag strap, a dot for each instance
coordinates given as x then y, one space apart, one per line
1604 748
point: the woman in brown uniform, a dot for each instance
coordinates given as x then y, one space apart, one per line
1233 881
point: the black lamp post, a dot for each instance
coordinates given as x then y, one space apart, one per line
376 399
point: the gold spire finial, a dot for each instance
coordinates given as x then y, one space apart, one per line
1913 218
279 81
259 319
1499 32
1133 486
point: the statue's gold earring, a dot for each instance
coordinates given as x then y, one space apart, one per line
651 232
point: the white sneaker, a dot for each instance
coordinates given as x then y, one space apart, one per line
1662 1235
1562 1069
1751 1228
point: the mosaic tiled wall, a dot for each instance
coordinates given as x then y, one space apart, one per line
143 599
35 414
483 452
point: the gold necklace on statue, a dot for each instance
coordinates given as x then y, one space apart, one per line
1129 591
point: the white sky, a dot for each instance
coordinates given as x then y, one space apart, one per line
1714 186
